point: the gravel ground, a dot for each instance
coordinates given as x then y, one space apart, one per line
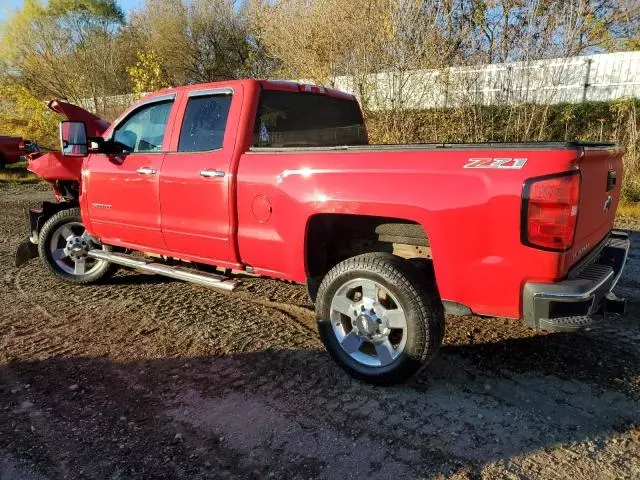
143 377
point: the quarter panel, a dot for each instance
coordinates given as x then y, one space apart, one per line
471 215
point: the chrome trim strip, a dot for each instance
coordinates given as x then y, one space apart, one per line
158 99
210 91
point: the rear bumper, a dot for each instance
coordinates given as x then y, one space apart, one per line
571 303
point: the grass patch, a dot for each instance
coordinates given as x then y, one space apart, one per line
629 209
17 173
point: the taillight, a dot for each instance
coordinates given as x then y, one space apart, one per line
550 211
21 145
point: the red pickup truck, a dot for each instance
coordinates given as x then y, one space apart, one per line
12 149
277 179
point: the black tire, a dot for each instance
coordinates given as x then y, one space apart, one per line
418 299
105 269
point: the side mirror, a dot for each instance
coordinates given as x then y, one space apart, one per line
73 139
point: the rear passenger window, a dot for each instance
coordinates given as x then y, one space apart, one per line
204 123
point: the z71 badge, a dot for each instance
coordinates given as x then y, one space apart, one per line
505 163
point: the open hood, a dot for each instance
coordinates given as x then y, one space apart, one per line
95 125
53 166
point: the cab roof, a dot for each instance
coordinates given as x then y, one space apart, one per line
283 85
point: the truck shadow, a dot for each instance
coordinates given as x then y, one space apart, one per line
286 410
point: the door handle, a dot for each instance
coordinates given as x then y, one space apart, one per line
211 173
146 171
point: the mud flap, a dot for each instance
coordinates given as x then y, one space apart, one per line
26 251
37 217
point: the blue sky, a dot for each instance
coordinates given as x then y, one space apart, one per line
9 5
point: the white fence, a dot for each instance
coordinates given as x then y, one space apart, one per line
601 77
113 104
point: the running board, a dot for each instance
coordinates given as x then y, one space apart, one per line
179 273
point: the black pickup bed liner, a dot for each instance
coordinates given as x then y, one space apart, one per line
571 145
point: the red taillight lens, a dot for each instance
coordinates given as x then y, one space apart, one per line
550 211
21 145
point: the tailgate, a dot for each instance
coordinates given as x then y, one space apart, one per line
601 172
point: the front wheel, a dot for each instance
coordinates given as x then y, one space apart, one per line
379 318
64 245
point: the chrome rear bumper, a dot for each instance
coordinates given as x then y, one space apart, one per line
571 303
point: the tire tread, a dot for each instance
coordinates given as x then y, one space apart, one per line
45 232
408 278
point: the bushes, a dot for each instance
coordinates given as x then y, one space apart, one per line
615 121
23 114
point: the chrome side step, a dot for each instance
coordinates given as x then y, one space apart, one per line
179 273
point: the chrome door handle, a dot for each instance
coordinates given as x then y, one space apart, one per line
146 171
211 173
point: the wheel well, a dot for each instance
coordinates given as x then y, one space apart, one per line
68 189
332 238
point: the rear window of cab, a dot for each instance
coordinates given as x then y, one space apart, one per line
298 119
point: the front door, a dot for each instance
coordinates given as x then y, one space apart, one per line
195 180
122 192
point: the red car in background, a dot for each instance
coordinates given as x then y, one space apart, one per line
12 150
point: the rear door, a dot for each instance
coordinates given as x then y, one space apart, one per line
195 179
122 191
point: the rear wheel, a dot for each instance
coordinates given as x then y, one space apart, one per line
64 245
379 318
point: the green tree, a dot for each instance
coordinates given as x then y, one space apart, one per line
146 75
24 115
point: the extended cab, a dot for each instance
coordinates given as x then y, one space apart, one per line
277 179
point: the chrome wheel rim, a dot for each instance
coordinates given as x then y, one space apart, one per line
69 248
368 322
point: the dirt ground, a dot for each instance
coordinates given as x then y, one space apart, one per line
143 377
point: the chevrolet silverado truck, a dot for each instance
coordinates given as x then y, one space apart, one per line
277 178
